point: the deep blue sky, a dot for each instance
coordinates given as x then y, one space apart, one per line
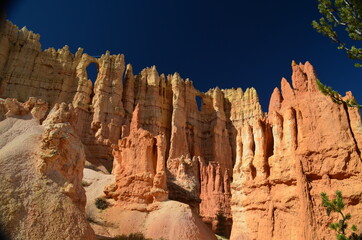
214 43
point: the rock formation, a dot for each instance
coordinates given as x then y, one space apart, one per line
242 171
139 167
166 106
306 146
60 76
41 169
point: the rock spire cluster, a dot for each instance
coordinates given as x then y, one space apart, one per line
260 173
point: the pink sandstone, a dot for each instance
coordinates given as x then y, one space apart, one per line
306 146
262 173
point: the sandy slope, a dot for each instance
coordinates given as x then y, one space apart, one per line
170 219
32 205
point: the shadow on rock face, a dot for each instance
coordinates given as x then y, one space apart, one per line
3 234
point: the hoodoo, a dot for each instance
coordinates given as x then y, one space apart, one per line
179 170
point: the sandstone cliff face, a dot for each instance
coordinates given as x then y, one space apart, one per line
231 163
306 146
59 76
165 106
139 167
41 169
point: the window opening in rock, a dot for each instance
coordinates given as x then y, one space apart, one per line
92 71
198 102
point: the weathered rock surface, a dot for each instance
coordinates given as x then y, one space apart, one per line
167 147
60 76
94 183
216 196
308 145
41 169
139 167
166 106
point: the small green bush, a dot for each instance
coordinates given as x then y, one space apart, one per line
85 183
101 203
120 237
133 236
337 205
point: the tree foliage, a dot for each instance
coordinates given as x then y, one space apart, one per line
338 14
101 203
335 96
337 205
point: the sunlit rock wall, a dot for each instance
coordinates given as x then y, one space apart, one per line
306 145
260 174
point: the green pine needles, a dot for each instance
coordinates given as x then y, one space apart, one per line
337 205
335 96
339 14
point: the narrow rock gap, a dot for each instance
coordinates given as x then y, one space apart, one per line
270 141
123 80
137 89
269 147
92 74
169 125
306 208
252 171
296 127
232 132
252 147
155 155
350 129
